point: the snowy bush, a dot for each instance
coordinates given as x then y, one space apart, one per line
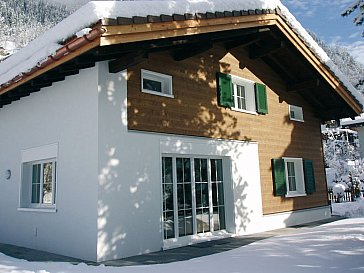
338 190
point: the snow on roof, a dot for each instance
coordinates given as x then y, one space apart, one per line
47 44
349 121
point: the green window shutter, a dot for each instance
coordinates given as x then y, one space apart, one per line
309 176
225 90
279 177
261 98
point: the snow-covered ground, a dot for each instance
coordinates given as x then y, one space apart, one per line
349 209
334 247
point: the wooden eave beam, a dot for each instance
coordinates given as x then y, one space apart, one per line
303 86
76 65
248 39
152 31
242 42
19 94
309 96
176 44
269 48
58 73
189 51
40 84
274 63
336 113
126 61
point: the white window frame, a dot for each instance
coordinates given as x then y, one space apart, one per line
29 158
299 177
165 80
298 112
249 95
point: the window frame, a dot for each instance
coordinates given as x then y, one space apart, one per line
299 177
164 79
296 110
250 99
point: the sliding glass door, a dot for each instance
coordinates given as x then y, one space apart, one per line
193 195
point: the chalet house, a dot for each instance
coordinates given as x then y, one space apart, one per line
134 126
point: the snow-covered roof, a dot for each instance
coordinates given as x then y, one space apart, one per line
46 45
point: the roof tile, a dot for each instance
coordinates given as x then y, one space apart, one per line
178 17
140 20
153 19
166 18
124 21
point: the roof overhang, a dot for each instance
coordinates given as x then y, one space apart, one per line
125 41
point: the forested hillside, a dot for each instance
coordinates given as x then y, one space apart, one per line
23 20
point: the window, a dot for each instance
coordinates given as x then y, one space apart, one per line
193 196
43 180
156 83
241 95
293 177
39 177
295 113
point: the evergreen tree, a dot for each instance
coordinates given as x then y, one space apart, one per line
358 20
359 6
23 20
352 69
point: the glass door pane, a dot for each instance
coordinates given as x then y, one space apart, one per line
202 195
168 210
217 187
184 197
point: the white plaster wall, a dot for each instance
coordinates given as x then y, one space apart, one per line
292 218
129 203
66 114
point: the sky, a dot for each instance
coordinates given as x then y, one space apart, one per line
333 248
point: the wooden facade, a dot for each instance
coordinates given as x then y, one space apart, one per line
194 111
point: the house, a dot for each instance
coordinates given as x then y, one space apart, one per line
342 155
133 126
355 124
